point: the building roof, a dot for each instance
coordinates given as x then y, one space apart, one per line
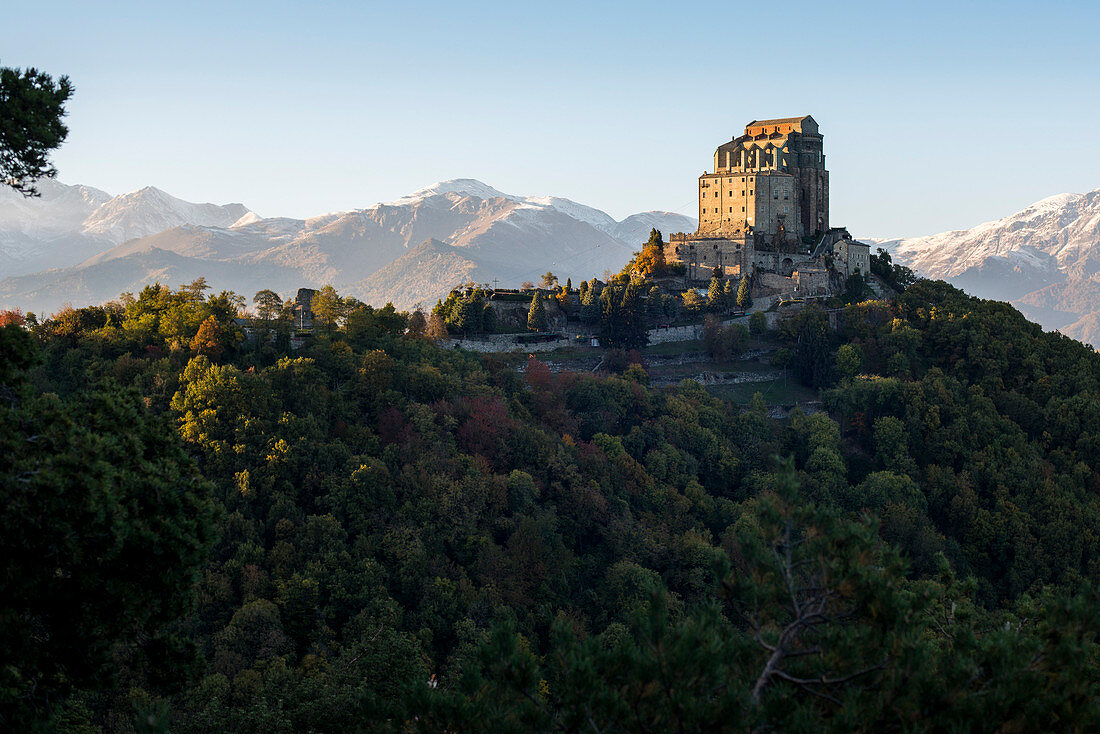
779 121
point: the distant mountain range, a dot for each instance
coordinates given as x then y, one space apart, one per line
1045 260
79 245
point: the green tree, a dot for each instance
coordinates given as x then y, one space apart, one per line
715 299
31 108
105 528
758 323
327 307
693 303
590 304
744 294
268 304
849 359
549 280
536 315
856 289
812 363
622 318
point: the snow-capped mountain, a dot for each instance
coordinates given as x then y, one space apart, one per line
150 210
59 209
472 187
67 224
1045 259
407 251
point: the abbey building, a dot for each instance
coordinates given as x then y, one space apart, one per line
771 181
765 205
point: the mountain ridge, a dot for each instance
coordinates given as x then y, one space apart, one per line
488 233
1044 259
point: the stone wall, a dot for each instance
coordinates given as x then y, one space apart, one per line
676 334
775 282
504 343
701 255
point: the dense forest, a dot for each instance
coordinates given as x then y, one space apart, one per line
205 533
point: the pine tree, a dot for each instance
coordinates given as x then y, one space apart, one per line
590 305
714 295
744 294
536 316
31 108
622 323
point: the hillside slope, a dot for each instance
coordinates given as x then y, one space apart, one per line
1045 259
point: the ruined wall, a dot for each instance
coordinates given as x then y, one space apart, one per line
701 256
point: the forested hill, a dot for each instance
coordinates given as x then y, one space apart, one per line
204 534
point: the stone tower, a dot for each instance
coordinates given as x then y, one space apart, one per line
769 182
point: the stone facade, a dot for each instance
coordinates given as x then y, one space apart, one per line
303 308
768 191
770 181
811 281
852 256
701 255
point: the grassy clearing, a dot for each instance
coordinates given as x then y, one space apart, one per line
776 392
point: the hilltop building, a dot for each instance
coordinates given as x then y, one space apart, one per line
765 206
303 308
852 256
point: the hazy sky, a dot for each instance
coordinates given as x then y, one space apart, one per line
935 115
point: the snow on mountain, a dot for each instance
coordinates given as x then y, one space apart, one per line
68 224
59 209
249 218
1053 234
149 211
1045 259
477 231
629 229
464 186
598 219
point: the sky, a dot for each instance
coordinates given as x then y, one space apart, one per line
936 115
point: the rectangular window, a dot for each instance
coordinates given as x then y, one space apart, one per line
742 208
731 210
716 211
704 194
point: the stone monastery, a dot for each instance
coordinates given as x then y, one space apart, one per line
765 210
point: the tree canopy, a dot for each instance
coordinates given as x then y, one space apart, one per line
370 533
32 106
